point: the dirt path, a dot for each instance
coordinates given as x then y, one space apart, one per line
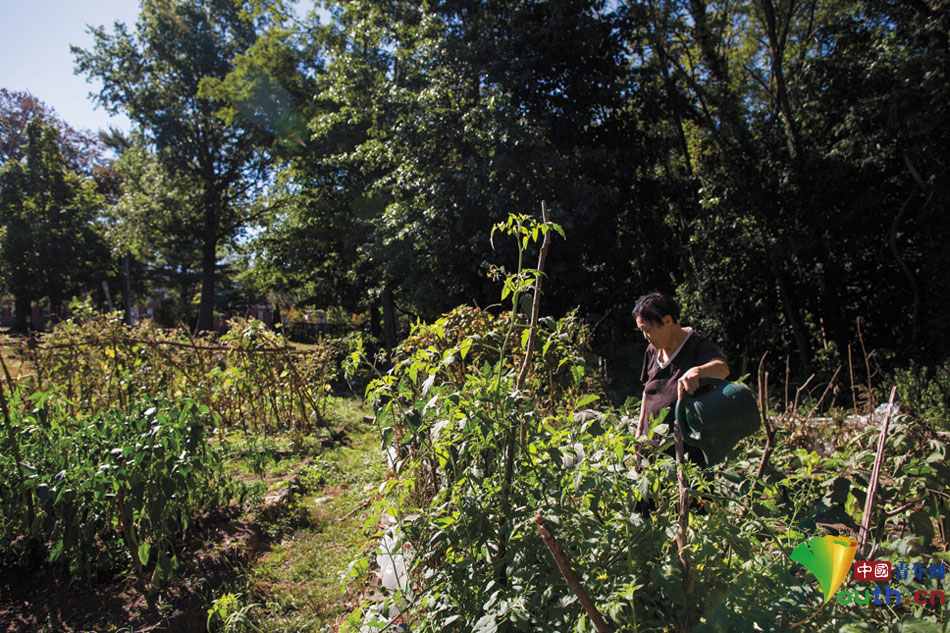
281 564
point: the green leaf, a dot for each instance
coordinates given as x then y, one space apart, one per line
355 570
144 550
524 302
486 624
922 526
578 373
585 400
162 572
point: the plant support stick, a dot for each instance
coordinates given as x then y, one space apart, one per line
569 576
685 622
875 474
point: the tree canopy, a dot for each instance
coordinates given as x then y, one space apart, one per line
155 74
50 245
780 166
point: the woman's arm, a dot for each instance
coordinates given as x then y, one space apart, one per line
689 381
641 425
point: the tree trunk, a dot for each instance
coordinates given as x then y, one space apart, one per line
790 308
23 312
127 287
55 310
209 260
777 54
389 319
374 329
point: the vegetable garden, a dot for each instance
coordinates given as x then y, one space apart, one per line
498 452
522 499
118 440
778 167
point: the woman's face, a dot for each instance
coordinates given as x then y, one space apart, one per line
657 334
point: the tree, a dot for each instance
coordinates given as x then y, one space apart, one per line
799 123
141 224
774 162
155 75
311 252
51 245
455 114
83 152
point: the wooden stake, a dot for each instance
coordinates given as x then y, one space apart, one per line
764 412
685 623
569 576
824 393
875 474
854 394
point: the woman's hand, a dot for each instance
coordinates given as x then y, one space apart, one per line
688 382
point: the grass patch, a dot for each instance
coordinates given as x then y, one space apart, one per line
296 584
12 350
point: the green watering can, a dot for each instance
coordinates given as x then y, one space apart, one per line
716 416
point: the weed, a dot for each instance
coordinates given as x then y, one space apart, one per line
231 614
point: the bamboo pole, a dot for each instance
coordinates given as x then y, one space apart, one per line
191 346
685 622
766 422
526 363
875 475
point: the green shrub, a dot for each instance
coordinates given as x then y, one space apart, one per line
924 393
102 492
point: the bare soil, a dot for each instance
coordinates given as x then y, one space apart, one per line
44 601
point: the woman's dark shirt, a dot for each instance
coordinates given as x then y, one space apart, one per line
659 390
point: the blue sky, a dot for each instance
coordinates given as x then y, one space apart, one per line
35 36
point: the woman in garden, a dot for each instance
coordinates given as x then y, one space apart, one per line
675 359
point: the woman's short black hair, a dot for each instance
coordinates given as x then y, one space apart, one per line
654 306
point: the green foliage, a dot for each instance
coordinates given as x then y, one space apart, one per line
430 118
779 167
250 378
610 500
449 406
808 152
925 393
141 223
51 245
155 74
228 612
111 489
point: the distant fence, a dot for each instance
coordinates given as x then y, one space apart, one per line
250 378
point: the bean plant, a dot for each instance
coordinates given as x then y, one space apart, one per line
250 377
